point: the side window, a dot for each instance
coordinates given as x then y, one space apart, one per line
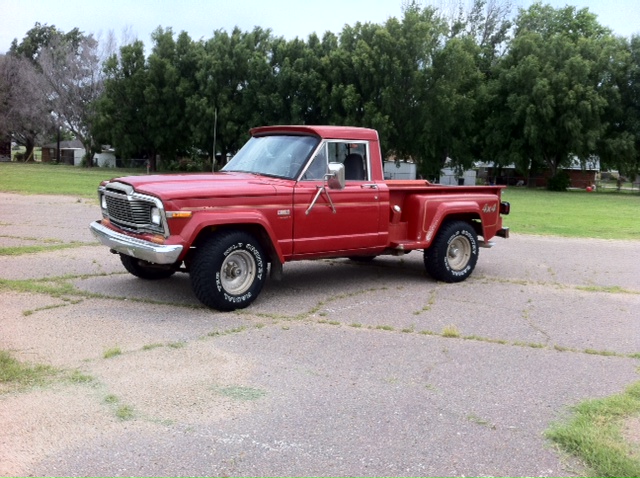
352 154
354 158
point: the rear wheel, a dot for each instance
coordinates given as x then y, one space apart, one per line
228 270
453 253
145 270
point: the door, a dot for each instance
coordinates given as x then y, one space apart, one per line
352 222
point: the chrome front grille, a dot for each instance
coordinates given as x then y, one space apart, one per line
131 213
130 210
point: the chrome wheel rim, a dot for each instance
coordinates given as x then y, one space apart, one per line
237 272
459 253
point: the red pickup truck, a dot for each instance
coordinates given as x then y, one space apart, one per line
291 193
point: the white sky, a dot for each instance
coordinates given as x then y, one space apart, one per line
287 18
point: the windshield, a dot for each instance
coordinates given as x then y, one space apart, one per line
279 155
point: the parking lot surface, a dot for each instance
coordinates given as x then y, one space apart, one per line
340 369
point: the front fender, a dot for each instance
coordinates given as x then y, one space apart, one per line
201 221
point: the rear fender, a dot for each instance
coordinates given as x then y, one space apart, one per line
431 211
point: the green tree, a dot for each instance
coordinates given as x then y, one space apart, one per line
123 119
232 83
41 36
170 82
619 148
451 119
547 99
301 79
380 75
144 109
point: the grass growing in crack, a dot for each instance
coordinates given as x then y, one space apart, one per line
594 433
604 353
533 345
124 412
176 345
473 418
78 377
427 332
478 338
54 287
384 327
152 346
21 250
112 352
16 375
607 289
111 399
27 313
240 393
219 333
430 303
451 332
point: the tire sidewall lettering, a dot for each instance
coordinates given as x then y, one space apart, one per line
472 243
259 265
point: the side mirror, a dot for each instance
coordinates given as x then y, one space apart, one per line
335 177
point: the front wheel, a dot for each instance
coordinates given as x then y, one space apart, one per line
453 253
144 269
228 270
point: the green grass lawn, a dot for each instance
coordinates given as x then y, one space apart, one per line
573 213
37 178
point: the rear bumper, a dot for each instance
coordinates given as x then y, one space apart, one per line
504 232
131 246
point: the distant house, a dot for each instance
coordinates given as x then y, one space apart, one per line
448 176
399 170
451 176
72 152
580 175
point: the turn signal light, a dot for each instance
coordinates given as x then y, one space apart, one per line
157 239
178 214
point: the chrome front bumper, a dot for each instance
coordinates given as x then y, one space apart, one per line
130 246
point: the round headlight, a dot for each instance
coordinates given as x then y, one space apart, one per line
155 216
103 202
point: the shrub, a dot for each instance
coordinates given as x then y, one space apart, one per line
559 182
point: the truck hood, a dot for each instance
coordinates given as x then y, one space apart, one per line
170 187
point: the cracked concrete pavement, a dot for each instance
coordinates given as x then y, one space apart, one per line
340 369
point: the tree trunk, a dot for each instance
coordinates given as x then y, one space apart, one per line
28 154
88 157
152 161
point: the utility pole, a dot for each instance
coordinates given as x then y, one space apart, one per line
215 132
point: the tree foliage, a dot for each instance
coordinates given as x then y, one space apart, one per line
24 111
56 78
73 78
538 90
550 93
